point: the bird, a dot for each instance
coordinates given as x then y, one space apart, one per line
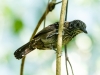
46 39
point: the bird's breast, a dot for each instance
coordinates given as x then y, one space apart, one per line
66 39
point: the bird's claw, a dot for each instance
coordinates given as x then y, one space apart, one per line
59 54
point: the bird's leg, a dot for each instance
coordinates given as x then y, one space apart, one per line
52 47
60 54
57 52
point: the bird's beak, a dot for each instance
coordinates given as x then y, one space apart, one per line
84 30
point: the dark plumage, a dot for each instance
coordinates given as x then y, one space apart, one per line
47 37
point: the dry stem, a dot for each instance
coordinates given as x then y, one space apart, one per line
59 43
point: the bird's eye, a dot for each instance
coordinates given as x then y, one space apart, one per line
78 25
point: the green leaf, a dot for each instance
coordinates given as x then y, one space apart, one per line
17 26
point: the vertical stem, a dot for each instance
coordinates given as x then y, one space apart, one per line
66 57
22 66
46 14
66 11
59 43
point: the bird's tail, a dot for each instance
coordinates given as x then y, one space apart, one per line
23 50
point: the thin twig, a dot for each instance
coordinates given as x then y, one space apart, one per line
66 45
59 43
58 2
50 7
45 15
70 65
39 23
66 56
66 59
66 11
22 66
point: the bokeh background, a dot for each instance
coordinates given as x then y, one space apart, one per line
18 19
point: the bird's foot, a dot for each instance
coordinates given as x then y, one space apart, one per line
59 54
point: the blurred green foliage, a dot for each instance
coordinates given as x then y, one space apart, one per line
17 26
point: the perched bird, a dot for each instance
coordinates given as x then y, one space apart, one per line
47 37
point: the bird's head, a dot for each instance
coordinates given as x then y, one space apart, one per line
78 26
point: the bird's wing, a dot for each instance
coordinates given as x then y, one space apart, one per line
48 29
52 33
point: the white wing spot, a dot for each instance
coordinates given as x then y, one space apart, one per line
23 55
